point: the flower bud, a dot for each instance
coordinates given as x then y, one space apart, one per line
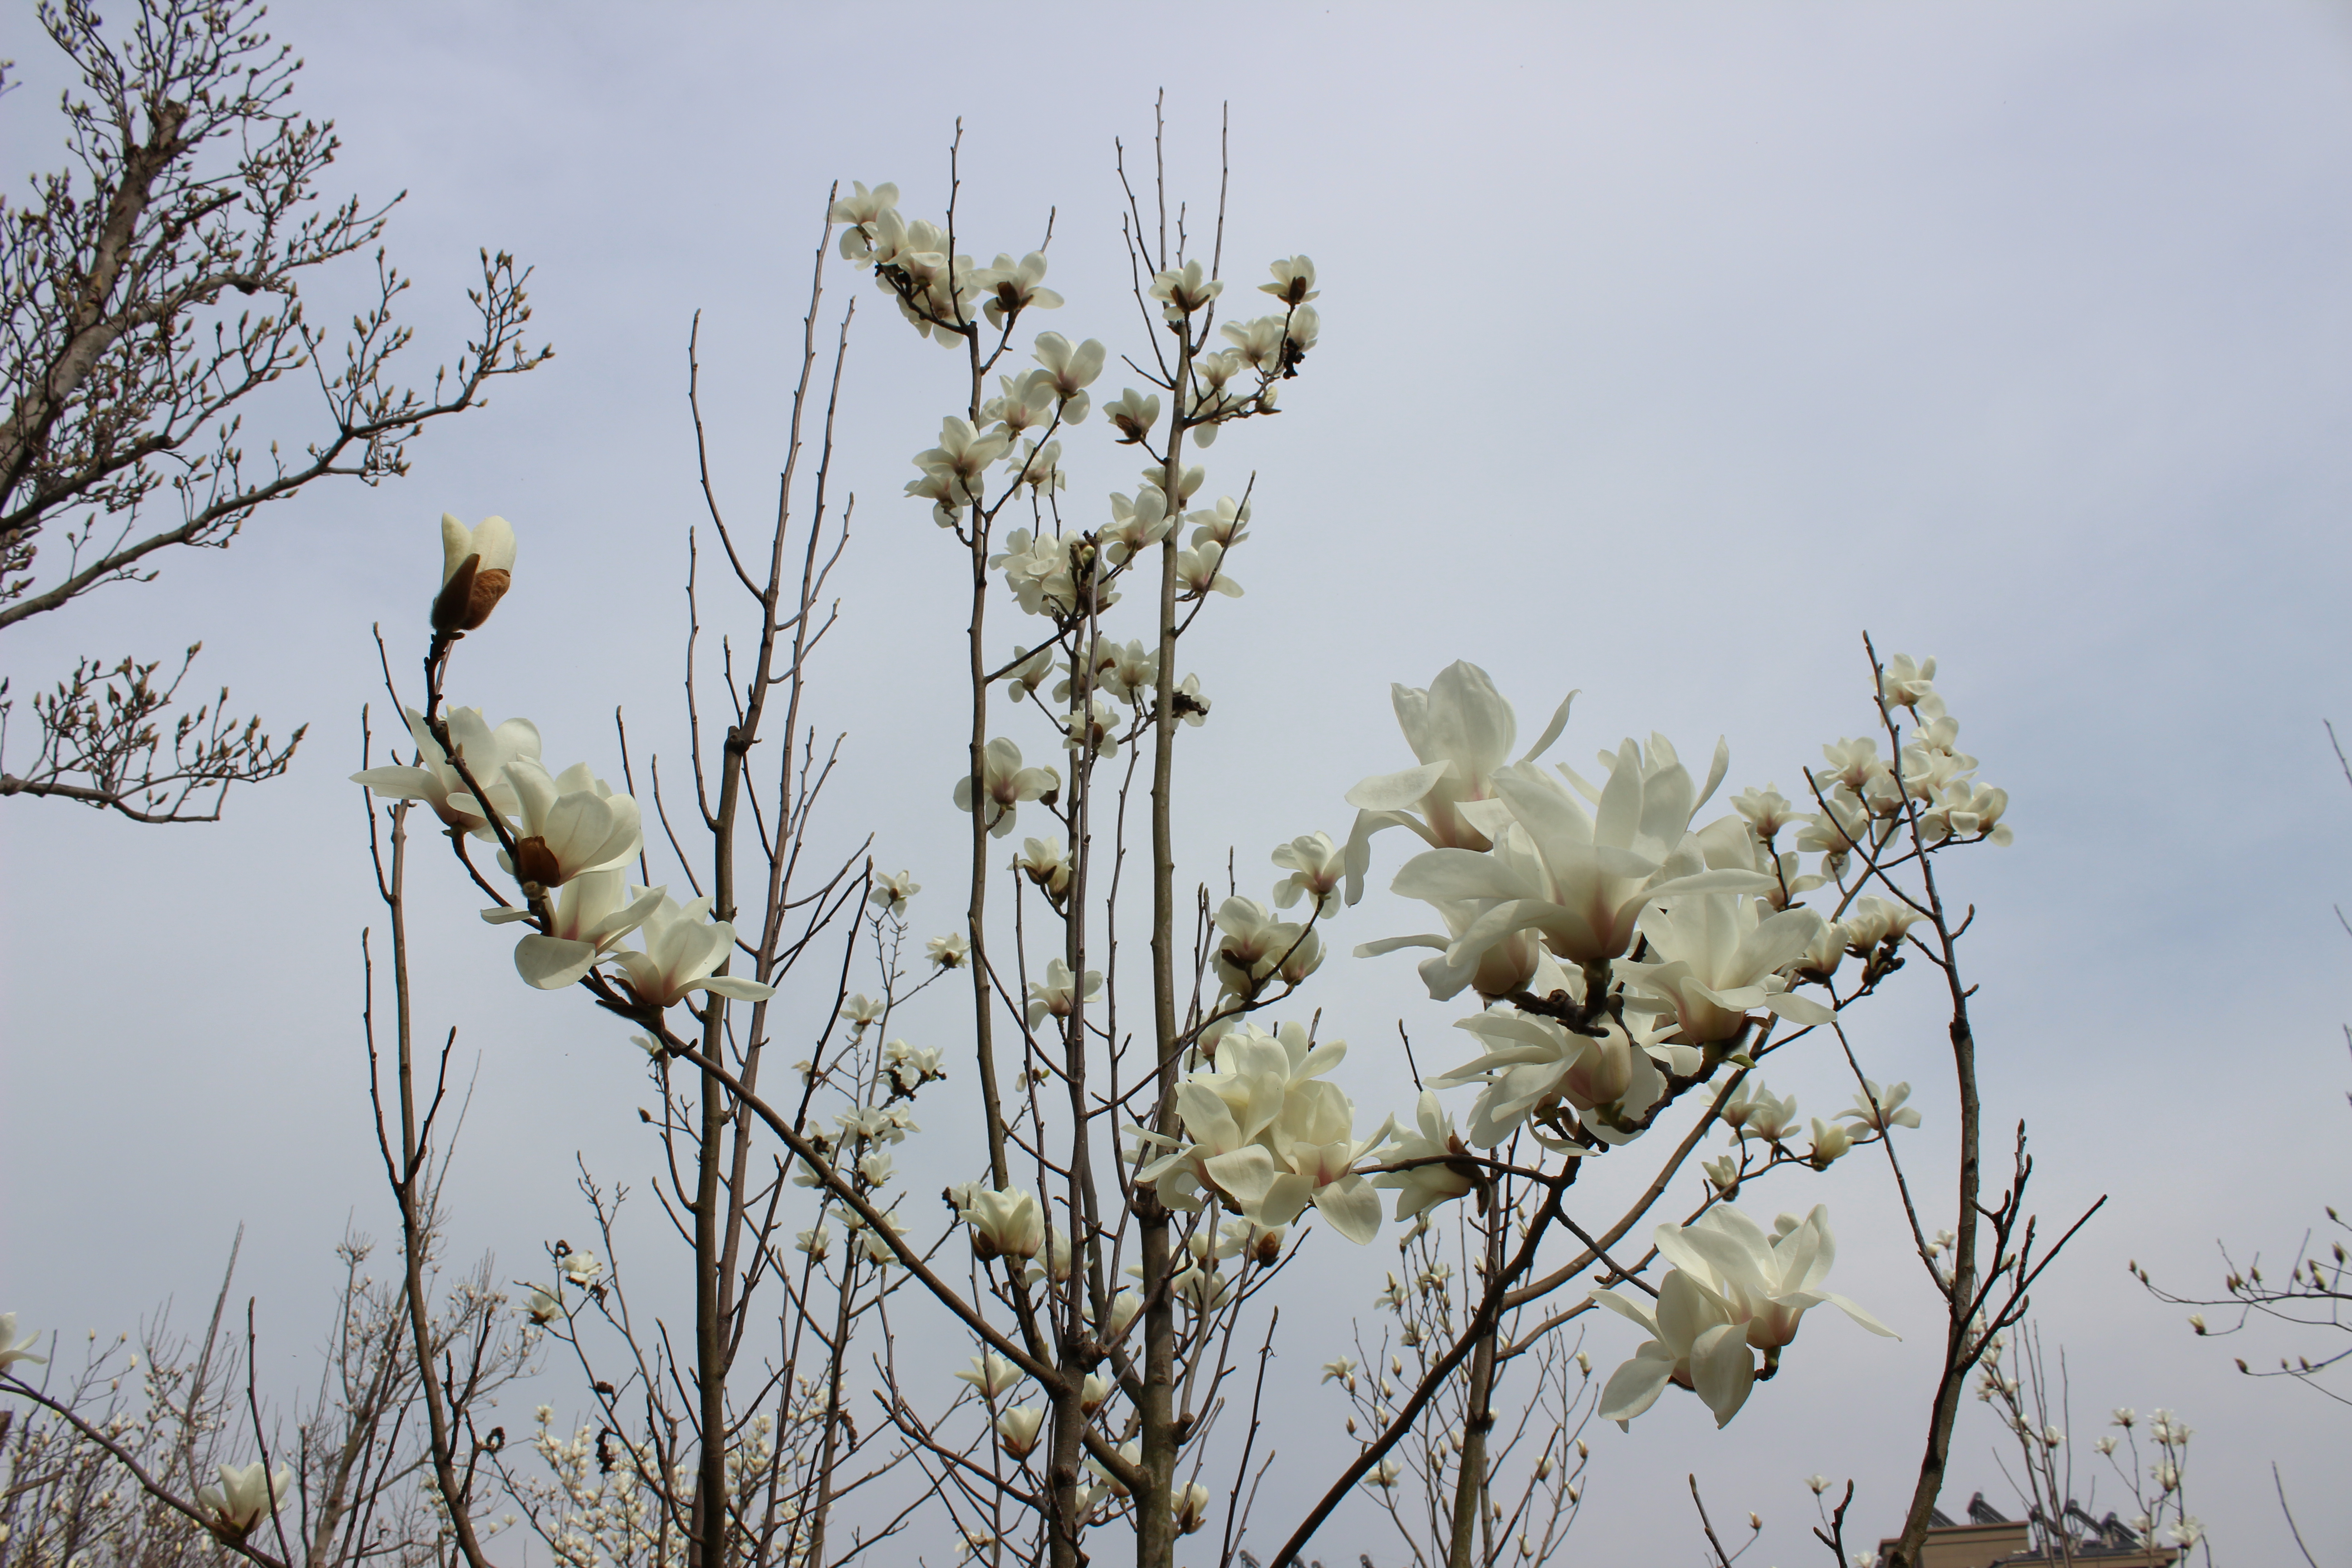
477 566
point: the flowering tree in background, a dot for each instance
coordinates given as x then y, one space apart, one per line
128 379
1161 1124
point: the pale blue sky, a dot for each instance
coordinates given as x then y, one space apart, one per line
1665 349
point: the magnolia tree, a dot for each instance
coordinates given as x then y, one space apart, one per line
1162 1124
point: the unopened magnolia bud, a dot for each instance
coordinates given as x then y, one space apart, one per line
1543 1466
476 568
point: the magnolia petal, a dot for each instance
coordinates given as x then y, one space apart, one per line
1636 1386
1626 1309
550 962
1353 1207
1722 1371
1798 1009
730 985
1551 730
1855 1311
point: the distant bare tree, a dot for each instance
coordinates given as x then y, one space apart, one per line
191 178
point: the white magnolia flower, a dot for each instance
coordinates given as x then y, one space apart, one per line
1881 1109
910 1067
1294 280
862 1012
1005 784
434 781
949 952
1070 370
476 567
1266 1134
1013 287
14 1350
1318 867
571 822
541 1307
1719 958
1202 572
244 1497
1589 875
1006 1224
1731 1288
1184 289
1343 1370
1424 1187
1535 1067
1134 415
1058 994
1191 1504
992 1375
682 947
860 207
581 1267
592 916
1461 730
1017 1428
952 469
891 893
1253 947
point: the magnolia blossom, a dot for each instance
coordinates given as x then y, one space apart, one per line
911 1066
1881 1109
1317 868
541 1307
1580 880
1047 863
1191 1504
891 893
1461 730
581 1267
1720 957
1005 782
476 567
594 911
1294 280
1424 1186
1013 287
948 951
1017 1429
1134 415
952 469
434 780
14 1350
1006 1224
1070 370
1058 994
1184 289
858 209
1731 1288
682 947
1534 1067
244 1497
1202 572
571 822
992 1375
1254 947
1267 1136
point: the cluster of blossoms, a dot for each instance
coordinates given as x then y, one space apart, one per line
1624 952
565 838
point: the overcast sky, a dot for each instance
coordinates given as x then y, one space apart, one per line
1666 349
